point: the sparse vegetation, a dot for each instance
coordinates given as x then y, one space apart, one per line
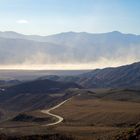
37 137
90 114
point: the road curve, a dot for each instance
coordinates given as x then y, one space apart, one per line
60 119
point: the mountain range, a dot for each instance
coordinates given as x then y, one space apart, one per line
79 48
127 76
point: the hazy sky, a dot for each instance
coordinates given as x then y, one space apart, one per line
53 16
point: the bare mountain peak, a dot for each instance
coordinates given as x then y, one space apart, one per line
116 32
11 33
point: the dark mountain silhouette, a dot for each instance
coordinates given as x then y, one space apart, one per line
35 94
41 86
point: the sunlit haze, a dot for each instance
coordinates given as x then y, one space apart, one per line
68 34
89 66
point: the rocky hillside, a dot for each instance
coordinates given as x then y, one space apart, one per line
127 76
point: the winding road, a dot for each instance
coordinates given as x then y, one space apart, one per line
60 119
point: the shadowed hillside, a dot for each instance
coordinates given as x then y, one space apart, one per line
41 86
127 76
34 95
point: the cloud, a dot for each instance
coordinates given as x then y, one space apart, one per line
23 21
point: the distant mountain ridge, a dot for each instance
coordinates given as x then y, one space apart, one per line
78 47
71 34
